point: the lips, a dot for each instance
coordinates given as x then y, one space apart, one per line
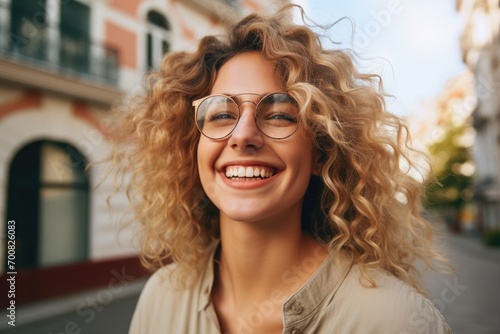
237 172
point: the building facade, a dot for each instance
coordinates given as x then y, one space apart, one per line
481 52
63 63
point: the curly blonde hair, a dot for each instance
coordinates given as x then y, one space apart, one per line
364 203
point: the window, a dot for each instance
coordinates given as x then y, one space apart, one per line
48 198
157 39
53 31
75 36
28 28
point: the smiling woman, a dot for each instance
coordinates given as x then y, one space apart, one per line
306 222
263 136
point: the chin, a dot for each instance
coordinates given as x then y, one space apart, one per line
244 214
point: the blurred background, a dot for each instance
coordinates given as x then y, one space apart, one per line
64 63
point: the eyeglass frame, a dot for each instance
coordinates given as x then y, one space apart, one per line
196 103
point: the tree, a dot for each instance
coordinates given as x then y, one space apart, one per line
452 167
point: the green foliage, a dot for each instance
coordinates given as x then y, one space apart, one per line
448 156
492 238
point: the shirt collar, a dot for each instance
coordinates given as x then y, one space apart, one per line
207 280
324 282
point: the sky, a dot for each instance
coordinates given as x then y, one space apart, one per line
413 44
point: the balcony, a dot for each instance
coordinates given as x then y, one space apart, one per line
51 60
216 8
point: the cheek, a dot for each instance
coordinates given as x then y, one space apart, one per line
298 158
207 153
202 160
303 154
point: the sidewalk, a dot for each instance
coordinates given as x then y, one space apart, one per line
78 313
474 247
469 300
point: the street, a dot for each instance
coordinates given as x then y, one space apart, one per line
114 319
469 302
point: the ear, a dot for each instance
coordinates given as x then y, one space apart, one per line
317 164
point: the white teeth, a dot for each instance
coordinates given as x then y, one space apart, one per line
248 172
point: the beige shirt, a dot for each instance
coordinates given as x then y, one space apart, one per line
332 301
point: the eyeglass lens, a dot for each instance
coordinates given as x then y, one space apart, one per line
276 116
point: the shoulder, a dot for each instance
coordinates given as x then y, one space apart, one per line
158 301
392 306
159 284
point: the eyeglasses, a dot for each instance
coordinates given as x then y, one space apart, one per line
276 114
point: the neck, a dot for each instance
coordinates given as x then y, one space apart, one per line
258 259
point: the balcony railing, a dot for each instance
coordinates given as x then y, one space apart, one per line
60 52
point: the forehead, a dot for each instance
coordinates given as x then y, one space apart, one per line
247 72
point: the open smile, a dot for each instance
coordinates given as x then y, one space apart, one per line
249 173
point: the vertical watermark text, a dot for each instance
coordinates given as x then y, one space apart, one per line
11 272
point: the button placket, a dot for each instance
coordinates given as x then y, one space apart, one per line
297 308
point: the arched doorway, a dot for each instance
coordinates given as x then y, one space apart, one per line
48 197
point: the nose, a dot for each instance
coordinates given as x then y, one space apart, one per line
246 135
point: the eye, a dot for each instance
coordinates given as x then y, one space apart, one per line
279 115
221 115
218 109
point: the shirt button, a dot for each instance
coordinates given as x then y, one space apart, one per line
295 331
297 309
